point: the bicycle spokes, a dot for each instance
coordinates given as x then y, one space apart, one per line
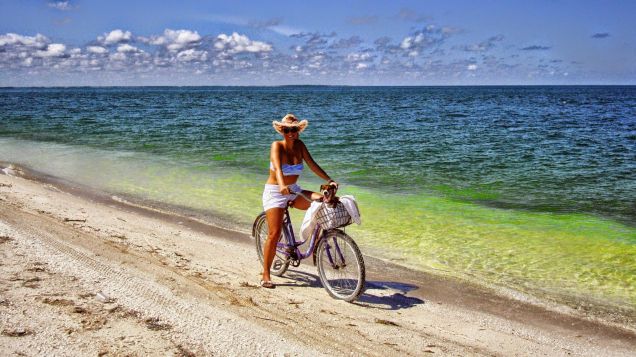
334 254
340 266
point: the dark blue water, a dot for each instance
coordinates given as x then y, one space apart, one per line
554 149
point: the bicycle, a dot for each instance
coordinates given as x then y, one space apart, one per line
337 256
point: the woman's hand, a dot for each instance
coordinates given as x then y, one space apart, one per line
333 183
285 190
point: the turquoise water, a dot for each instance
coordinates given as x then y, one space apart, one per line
530 188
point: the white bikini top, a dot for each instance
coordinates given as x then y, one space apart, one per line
289 170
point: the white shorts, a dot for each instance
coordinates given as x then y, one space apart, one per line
273 198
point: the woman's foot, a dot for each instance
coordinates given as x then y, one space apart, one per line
267 284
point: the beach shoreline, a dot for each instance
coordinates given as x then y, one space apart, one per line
399 296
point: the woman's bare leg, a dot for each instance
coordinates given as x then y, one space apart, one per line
301 202
274 226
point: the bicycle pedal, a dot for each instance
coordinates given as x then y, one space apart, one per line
291 253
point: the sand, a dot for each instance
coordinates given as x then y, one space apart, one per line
85 274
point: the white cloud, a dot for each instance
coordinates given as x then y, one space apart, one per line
171 53
119 56
413 41
60 5
38 40
406 43
96 49
420 41
52 50
175 40
355 57
285 30
192 55
115 36
484 45
274 25
236 43
127 48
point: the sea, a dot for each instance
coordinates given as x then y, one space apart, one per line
531 189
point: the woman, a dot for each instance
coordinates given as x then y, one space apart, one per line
286 165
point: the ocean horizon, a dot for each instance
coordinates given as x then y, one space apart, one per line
321 85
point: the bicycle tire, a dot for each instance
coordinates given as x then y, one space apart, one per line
344 254
259 233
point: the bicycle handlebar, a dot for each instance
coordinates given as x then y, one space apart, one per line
327 191
300 193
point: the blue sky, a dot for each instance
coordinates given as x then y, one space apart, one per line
48 43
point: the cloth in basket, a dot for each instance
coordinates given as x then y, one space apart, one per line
310 220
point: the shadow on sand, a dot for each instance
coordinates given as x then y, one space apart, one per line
386 295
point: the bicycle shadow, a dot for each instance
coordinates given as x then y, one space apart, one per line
388 295
385 295
301 279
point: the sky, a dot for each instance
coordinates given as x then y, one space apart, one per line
452 42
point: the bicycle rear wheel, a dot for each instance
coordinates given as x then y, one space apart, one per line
259 233
340 266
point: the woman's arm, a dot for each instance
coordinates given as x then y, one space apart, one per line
275 157
313 165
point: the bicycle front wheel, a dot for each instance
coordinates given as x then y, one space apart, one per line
259 233
340 266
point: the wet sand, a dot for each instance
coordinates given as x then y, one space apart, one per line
84 273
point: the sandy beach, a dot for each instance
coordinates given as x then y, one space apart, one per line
84 273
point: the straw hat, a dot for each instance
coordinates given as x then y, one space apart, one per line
290 120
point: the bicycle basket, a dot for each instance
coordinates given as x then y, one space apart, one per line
333 217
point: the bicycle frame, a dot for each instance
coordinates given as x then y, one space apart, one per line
288 231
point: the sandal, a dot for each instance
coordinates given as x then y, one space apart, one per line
267 284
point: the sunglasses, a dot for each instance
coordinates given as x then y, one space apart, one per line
288 130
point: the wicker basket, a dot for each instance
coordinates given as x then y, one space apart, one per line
333 217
